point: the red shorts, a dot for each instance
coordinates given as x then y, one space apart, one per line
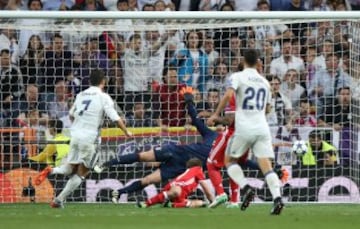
182 198
217 153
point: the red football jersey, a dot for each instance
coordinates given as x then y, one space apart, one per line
231 108
189 180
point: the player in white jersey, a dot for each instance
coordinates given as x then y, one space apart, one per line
87 112
253 99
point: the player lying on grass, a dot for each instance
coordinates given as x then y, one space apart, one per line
175 193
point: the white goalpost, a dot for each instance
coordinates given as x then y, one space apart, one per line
46 58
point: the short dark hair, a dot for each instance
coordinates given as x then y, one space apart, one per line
122 1
344 88
134 36
262 2
57 125
96 77
30 1
251 57
7 51
213 90
148 5
315 134
192 162
168 68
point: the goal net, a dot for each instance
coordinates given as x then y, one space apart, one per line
312 66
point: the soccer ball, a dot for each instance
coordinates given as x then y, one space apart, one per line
299 147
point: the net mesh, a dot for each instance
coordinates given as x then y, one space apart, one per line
312 66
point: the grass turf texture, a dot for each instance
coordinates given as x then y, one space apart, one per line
87 216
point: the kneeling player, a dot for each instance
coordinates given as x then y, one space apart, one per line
176 192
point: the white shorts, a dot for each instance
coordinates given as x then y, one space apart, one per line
81 153
260 145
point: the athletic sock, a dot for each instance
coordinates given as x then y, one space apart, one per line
234 197
159 198
235 172
273 183
133 187
70 186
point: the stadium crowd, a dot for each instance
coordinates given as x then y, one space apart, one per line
307 64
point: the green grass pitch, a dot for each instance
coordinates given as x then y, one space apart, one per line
122 216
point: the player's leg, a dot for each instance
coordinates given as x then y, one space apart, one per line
215 162
64 169
83 161
145 156
137 185
234 194
263 152
237 146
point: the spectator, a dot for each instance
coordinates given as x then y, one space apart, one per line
97 60
184 5
227 7
281 109
56 5
160 5
327 82
56 62
218 80
309 74
148 7
136 68
28 103
271 33
305 116
192 62
92 5
317 5
208 108
342 113
296 5
212 54
286 61
133 6
327 48
122 5
167 101
8 41
59 107
291 88
139 117
11 86
243 5
30 63
157 59
24 35
319 152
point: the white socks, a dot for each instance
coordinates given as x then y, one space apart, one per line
236 173
64 169
273 183
70 186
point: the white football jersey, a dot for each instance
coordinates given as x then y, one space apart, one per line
252 96
88 110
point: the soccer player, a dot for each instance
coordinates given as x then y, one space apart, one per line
178 190
87 112
173 158
215 160
252 101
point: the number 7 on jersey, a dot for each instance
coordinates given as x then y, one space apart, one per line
86 103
